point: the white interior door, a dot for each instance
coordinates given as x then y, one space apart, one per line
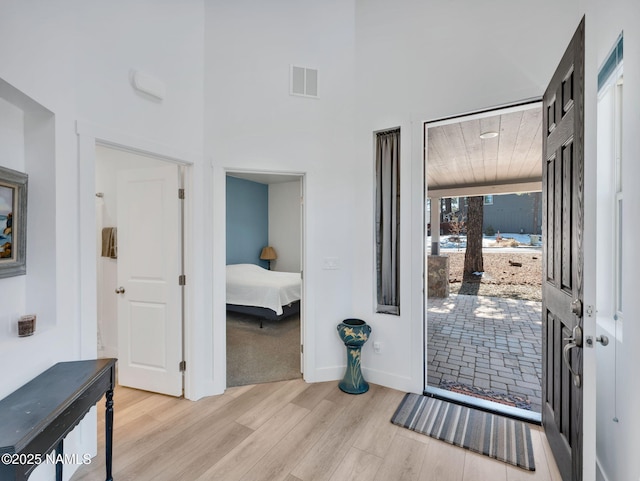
149 266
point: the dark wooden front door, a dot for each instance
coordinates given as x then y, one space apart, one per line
563 167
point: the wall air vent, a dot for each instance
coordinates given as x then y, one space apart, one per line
303 82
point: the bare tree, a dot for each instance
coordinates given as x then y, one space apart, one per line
445 207
473 255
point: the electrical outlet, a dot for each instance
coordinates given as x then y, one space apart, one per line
377 347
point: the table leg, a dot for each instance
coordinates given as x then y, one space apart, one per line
109 433
59 456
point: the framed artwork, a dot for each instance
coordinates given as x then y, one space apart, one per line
13 222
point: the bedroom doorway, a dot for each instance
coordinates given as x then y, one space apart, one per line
264 239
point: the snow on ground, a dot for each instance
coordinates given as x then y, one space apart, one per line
525 241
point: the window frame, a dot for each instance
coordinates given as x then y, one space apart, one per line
387 302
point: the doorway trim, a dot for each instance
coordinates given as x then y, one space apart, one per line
525 104
220 327
89 136
589 245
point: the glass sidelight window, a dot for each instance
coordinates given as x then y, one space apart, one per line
388 221
618 190
610 176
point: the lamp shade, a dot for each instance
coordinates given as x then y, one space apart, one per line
268 254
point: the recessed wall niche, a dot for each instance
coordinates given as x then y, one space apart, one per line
27 144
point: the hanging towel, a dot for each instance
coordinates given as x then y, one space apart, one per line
110 242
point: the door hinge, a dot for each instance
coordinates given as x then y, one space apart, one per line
182 366
182 280
301 348
181 194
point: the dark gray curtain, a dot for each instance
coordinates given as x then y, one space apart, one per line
388 221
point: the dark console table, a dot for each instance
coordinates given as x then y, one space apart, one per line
35 419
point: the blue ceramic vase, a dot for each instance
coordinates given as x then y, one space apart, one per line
354 333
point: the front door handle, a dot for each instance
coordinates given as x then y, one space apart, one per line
574 341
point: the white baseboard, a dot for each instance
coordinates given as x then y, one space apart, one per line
334 373
108 351
600 476
392 381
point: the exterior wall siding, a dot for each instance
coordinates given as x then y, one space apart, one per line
515 213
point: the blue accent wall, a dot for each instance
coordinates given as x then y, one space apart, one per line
247 221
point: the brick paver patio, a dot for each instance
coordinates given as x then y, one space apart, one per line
487 342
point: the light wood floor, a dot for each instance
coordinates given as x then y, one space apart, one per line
290 431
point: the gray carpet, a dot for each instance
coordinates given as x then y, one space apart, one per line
484 433
257 355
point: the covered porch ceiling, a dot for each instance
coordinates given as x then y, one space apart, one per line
495 152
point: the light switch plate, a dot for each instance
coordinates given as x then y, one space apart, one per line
331 263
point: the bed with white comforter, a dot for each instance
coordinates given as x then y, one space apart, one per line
251 286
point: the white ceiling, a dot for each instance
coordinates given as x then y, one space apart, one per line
461 163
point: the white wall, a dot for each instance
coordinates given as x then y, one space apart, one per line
37 44
252 123
161 38
618 441
11 135
27 140
285 225
12 153
65 56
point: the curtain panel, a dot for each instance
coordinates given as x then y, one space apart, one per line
388 221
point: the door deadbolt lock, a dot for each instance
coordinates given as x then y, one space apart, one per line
604 340
576 307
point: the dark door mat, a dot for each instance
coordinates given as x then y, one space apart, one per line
519 402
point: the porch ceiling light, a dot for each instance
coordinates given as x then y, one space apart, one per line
488 135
